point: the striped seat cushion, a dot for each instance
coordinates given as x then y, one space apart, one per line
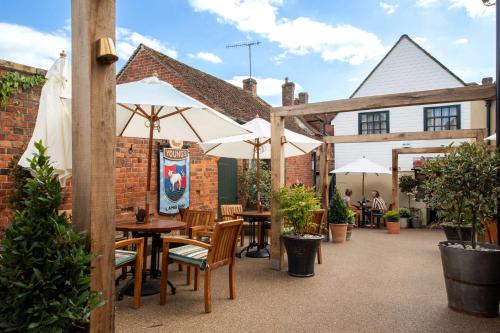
190 254
123 257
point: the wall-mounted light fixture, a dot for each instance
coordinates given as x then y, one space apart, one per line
130 150
106 51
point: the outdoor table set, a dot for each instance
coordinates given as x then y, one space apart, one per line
255 218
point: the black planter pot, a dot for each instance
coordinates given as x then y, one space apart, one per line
472 278
452 232
301 254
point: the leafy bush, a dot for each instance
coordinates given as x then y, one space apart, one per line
247 187
338 212
351 216
462 186
45 267
19 177
408 185
404 213
296 206
391 216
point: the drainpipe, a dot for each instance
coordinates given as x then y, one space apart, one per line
488 117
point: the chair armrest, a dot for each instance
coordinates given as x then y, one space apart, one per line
200 234
202 228
127 242
187 241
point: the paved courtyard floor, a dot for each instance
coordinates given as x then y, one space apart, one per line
375 283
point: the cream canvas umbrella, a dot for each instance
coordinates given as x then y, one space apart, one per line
492 137
53 122
153 109
363 166
258 145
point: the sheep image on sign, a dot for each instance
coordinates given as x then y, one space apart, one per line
173 180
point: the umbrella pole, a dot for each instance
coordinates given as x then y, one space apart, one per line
259 208
150 156
363 186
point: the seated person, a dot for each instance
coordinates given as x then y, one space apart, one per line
378 204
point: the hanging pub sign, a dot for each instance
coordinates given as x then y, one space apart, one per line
173 183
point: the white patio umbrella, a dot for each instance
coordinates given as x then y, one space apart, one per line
151 108
363 166
53 122
258 145
492 137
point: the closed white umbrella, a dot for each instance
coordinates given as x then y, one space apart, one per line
258 145
492 137
363 166
53 122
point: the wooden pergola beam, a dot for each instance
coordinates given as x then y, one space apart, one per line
449 95
407 136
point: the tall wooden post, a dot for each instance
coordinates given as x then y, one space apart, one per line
93 108
323 175
395 180
277 181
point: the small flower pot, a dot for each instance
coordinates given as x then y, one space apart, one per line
393 227
403 222
349 232
339 232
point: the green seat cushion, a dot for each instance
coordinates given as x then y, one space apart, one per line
120 238
190 254
123 257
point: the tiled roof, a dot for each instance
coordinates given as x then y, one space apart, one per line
233 101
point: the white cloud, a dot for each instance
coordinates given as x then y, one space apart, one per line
388 8
354 79
461 41
427 3
475 8
27 46
278 60
127 41
265 86
206 56
420 40
301 35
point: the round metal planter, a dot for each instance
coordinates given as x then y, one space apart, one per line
301 253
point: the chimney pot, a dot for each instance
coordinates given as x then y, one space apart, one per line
287 93
303 98
487 80
250 85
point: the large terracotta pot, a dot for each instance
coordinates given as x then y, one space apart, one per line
393 227
339 232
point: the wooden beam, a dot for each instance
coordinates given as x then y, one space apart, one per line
277 181
424 150
407 136
449 95
395 180
93 108
323 175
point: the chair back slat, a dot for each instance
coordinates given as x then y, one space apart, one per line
194 218
224 241
317 222
228 211
491 229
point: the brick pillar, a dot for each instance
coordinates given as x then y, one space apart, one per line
303 98
487 80
250 85
287 93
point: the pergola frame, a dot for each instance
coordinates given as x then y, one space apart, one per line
278 115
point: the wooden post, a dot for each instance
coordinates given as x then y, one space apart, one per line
93 108
395 180
323 175
277 181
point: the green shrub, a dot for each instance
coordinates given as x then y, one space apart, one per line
338 213
247 187
351 216
391 216
45 267
404 213
408 185
296 206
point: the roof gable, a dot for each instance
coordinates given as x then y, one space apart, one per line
407 67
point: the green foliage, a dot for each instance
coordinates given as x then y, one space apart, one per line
20 177
296 206
45 266
351 216
338 212
391 216
247 187
408 185
462 186
13 82
404 213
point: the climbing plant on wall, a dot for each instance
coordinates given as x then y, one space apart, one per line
13 82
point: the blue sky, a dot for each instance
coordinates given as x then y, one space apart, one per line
325 47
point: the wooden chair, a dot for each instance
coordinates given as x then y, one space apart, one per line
491 231
127 258
316 227
203 256
227 212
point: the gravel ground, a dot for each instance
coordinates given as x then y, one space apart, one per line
375 283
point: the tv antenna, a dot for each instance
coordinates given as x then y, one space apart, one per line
249 45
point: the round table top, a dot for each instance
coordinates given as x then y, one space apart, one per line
156 225
254 214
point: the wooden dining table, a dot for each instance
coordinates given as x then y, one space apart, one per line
253 217
153 229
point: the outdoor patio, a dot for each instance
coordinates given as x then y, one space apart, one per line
375 283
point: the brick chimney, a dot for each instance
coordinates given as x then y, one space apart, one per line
487 80
250 85
303 98
287 93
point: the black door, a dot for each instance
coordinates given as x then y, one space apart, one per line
228 181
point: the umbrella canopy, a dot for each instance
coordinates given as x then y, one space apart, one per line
53 122
491 137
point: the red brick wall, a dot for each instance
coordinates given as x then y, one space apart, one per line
299 169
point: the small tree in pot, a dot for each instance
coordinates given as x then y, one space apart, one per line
404 215
296 207
462 187
408 185
392 220
338 218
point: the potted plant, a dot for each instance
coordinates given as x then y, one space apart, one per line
416 217
247 187
350 224
44 265
463 187
296 207
392 220
404 215
338 217
408 186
